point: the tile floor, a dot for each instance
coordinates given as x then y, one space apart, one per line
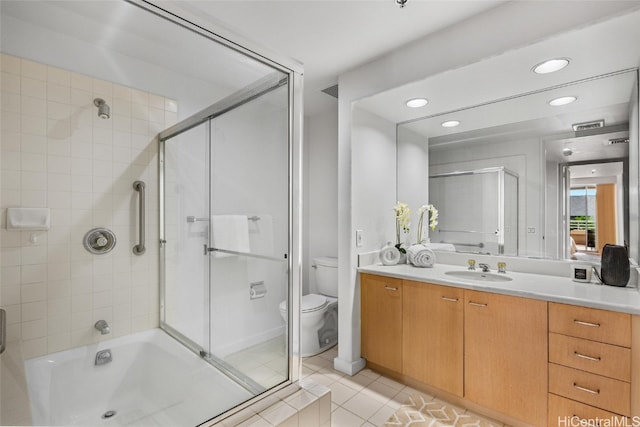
365 399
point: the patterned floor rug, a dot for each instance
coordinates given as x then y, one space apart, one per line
422 411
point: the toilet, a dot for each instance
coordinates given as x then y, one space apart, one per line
319 312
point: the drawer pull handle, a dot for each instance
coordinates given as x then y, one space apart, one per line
390 288
588 390
583 323
450 299
584 356
477 304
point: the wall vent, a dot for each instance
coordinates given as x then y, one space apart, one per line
596 124
614 141
331 91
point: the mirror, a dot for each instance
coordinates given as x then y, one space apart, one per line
570 163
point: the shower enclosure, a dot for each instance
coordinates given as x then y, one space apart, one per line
224 177
193 327
478 210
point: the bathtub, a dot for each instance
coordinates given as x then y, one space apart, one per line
152 380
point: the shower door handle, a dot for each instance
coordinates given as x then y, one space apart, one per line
3 329
139 249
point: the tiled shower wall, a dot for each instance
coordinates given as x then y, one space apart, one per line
57 153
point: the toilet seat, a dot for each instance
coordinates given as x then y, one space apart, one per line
309 303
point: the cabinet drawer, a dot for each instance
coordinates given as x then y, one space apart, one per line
604 359
566 412
590 323
595 390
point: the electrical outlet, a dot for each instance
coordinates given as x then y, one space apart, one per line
531 230
358 238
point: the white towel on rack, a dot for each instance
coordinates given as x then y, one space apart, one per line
231 233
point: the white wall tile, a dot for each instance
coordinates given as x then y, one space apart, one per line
33 292
10 83
33 87
58 76
33 273
33 70
11 122
34 255
34 106
36 144
57 153
10 102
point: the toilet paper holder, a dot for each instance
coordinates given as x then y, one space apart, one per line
257 290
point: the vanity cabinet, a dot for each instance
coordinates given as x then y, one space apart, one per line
432 335
381 320
590 363
505 354
538 362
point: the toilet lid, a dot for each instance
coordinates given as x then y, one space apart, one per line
311 302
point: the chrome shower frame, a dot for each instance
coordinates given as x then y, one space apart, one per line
294 72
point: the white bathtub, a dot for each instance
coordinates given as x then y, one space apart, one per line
152 380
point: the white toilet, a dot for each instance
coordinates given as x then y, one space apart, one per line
319 312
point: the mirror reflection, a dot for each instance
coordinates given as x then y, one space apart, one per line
564 186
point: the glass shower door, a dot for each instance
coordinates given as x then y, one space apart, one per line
186 217
226 207
249 276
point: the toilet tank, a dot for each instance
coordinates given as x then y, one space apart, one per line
327 275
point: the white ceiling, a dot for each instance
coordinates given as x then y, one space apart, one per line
330 36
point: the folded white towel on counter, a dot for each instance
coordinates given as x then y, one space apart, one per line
421 256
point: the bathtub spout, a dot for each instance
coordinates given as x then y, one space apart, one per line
103 327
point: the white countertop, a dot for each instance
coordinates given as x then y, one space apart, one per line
537 286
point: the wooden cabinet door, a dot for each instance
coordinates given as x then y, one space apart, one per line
381 320
433 338
506 355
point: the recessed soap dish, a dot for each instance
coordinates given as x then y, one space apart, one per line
99 241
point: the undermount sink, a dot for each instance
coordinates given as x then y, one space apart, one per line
479 275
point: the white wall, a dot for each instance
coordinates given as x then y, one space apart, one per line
491 33
321 192
634 169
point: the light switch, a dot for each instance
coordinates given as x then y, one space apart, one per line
358 238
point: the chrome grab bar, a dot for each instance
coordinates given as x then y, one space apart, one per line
3 329
139 249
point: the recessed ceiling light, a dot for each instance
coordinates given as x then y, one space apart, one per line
551 66
562 101
450 124
417 102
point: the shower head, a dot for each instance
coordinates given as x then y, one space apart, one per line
104 111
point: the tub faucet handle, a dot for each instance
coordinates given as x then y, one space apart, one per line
102 326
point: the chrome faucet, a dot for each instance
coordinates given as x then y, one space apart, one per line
102 326
484 267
